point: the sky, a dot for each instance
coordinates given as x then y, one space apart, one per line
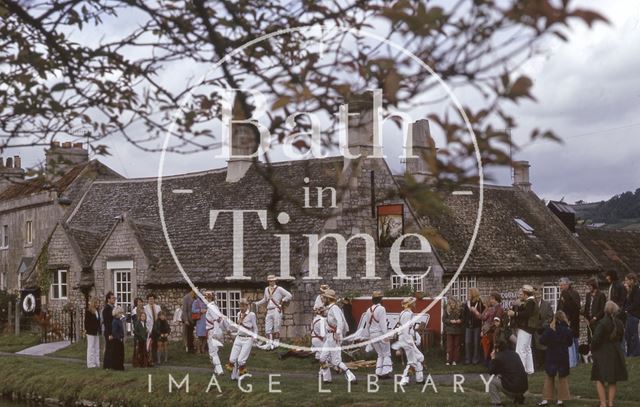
587 91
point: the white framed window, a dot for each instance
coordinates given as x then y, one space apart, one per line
551 294
4 237
229 303
3 281
28 232
416 282
59 285
122 287
460 287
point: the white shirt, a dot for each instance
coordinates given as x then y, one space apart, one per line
274 297
376 318
406 331
247 321
215 320
318 327
150 313
336 322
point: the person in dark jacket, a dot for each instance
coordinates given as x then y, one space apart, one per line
570 304
161 331
545 316
141 356
609 366
117 334
632 313
527 319
92 330
107 319
454 329
557 337
593 305
187 322
617 293
509 375
472 317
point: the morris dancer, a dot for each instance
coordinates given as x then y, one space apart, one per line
274 296
376 317
406 342
318 303
318 330
336 328
247 332
216 324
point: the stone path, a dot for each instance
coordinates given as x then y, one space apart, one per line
44 348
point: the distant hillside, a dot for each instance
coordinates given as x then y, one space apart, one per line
620 212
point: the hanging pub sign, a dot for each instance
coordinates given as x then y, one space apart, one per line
30 301
390 224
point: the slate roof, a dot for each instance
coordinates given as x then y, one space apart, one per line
207 254
70 185
502 247
615 249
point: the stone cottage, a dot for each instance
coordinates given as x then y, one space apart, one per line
520 241
31 207
113 238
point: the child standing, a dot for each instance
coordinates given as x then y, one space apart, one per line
163 330
140 335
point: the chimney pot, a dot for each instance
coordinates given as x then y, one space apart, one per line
66 144
1 161
55 144
521 175
9 162
77 145
17 162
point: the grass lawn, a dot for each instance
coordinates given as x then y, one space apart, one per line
69 382
12 343
262 360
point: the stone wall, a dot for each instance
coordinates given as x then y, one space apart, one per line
43 212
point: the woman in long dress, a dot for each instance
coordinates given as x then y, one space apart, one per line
609 366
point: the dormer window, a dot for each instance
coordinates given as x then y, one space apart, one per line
525 227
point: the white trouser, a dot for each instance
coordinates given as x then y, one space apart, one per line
414 359
316 343
93 351
523 349
213 341
332 358
383 349
241 350
273 321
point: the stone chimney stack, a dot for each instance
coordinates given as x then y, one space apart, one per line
424 148
60 157
360 122
521 175
243 143
11 171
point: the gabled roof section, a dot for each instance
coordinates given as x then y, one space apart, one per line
617 250
69 185
503 244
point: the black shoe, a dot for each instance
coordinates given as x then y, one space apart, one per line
384 376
